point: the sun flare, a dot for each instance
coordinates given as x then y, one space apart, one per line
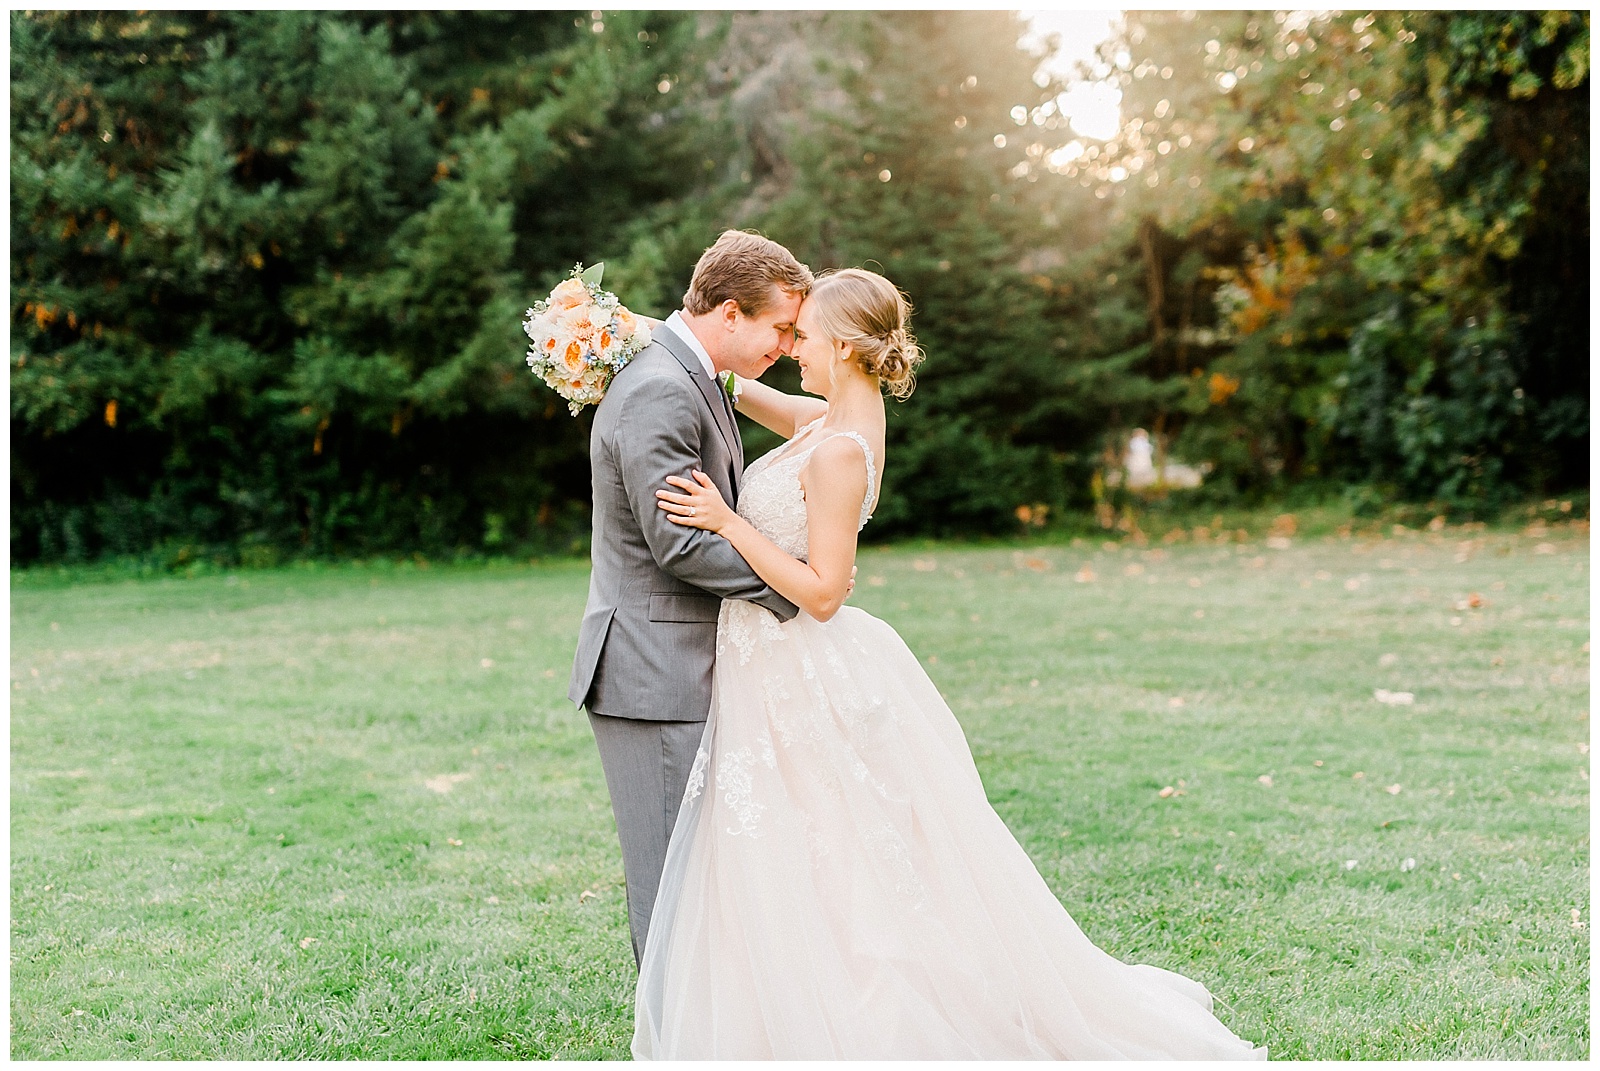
1093 106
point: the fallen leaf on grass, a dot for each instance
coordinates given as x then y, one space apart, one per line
1175 701
587 894
1409 864
1084 575
1167 791
1349 864
443 783
1265 779
925 565
1394 699
1577 919
307 942
1393 790
453 842
486 663
1545 548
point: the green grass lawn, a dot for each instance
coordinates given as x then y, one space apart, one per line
348 812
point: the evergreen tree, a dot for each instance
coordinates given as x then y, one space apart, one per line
926 167
269 267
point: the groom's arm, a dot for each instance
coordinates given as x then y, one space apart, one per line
661 440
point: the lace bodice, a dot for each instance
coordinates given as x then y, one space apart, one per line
770 497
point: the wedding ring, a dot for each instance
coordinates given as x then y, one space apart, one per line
691 512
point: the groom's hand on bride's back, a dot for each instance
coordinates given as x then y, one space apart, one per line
849 589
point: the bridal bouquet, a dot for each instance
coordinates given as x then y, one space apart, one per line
582 336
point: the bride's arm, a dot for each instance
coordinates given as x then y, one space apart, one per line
777 411
835 484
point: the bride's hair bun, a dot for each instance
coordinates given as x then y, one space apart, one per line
865 311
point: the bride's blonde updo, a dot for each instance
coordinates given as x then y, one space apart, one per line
865 311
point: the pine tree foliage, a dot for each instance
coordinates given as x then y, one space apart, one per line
925 166
268 267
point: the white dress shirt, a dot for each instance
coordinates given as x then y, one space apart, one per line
681 328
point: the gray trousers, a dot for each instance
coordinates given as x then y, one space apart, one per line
647 765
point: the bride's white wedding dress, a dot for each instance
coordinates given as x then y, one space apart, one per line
837 885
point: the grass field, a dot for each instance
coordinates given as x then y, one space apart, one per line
348 812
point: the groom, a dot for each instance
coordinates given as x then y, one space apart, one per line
649 632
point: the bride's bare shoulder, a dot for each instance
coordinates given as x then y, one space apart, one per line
837 460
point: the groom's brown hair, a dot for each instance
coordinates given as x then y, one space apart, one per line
744 266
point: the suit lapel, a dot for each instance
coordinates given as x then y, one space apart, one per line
710 390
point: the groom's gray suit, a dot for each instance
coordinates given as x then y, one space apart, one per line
649 632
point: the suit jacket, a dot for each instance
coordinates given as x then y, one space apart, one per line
649 631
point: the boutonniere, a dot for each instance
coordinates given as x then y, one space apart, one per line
730 386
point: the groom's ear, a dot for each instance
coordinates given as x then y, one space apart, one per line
729 313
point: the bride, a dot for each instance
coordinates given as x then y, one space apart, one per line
837 885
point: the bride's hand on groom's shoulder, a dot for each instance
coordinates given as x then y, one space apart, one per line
697 503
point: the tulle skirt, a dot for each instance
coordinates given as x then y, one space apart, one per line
838 886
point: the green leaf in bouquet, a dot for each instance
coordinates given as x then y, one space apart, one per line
592 273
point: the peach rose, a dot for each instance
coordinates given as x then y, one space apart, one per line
572 357
570 294
581 322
